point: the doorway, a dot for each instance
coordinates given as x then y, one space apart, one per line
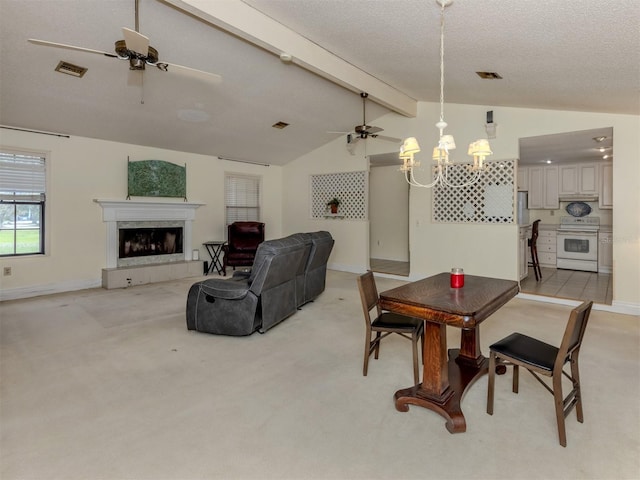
562 155
388 217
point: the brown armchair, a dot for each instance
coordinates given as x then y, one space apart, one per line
242 242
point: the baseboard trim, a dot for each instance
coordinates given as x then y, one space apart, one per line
38 290
623 308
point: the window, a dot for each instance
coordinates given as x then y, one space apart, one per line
242 198
22 202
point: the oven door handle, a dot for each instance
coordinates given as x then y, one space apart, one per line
577 233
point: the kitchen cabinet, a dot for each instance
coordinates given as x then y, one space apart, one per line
536 188
578 179
605 197
605 252
522 179
543 188
546 245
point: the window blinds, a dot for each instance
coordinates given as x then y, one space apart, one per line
242 198
22 177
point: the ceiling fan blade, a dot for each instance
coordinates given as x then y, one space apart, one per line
388 139
191 72
135 41
371 130
70 47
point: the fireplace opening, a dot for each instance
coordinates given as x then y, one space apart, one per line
142 242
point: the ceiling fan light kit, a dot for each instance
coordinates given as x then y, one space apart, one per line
478 150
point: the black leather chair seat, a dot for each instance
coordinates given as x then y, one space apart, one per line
393 321
528 350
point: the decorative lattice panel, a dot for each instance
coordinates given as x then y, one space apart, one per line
348 187
489 200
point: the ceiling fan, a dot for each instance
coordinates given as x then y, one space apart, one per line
136 49
365 131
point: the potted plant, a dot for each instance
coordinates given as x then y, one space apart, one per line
333 203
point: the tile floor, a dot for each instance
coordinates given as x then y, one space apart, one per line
570 284
391 267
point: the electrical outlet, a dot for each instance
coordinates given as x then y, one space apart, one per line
6 271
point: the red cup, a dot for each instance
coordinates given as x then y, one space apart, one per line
457 278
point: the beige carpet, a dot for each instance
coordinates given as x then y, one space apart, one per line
110 385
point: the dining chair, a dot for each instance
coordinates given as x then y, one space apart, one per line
386 323
538 357
533 245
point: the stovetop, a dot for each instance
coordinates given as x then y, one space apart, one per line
580 223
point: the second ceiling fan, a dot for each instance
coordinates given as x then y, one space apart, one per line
365 131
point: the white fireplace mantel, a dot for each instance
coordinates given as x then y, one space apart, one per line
114 211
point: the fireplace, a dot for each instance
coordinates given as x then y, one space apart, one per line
160 231
141 243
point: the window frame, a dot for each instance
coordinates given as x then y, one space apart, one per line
26 198
228 176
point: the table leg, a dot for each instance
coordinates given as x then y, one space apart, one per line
444 382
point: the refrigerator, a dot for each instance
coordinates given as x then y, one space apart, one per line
523 211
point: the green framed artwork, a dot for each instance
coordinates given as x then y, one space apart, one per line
156 178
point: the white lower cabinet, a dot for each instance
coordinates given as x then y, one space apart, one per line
546 248
605 252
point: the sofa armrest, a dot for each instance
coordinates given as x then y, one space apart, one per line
229 289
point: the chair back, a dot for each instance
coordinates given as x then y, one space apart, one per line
368 295
534 233
574 332
245 236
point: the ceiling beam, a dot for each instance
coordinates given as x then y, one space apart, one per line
246 22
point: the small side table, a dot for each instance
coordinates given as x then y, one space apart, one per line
214 248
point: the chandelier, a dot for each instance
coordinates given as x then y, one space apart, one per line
479 149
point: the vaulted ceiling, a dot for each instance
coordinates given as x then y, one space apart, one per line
581 55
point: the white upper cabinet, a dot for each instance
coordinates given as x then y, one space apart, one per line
578 179
543 188
523 179
605 197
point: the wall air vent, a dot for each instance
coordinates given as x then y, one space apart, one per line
280 125
71 69
489 75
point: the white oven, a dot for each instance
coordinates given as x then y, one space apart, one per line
577 244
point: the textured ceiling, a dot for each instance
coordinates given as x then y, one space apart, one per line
581 55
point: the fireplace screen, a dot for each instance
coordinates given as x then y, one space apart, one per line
141 242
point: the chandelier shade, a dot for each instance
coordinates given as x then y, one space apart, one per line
478 150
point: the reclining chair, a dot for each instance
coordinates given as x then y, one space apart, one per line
316 269
243 239
243 304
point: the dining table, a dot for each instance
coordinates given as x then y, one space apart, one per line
447 374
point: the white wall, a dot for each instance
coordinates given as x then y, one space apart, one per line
490 250
82 169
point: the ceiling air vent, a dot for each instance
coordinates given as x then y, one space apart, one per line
280 125
489 75
71 69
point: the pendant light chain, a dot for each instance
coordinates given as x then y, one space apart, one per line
442 64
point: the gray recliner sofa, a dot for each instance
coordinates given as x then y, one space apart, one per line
262 298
